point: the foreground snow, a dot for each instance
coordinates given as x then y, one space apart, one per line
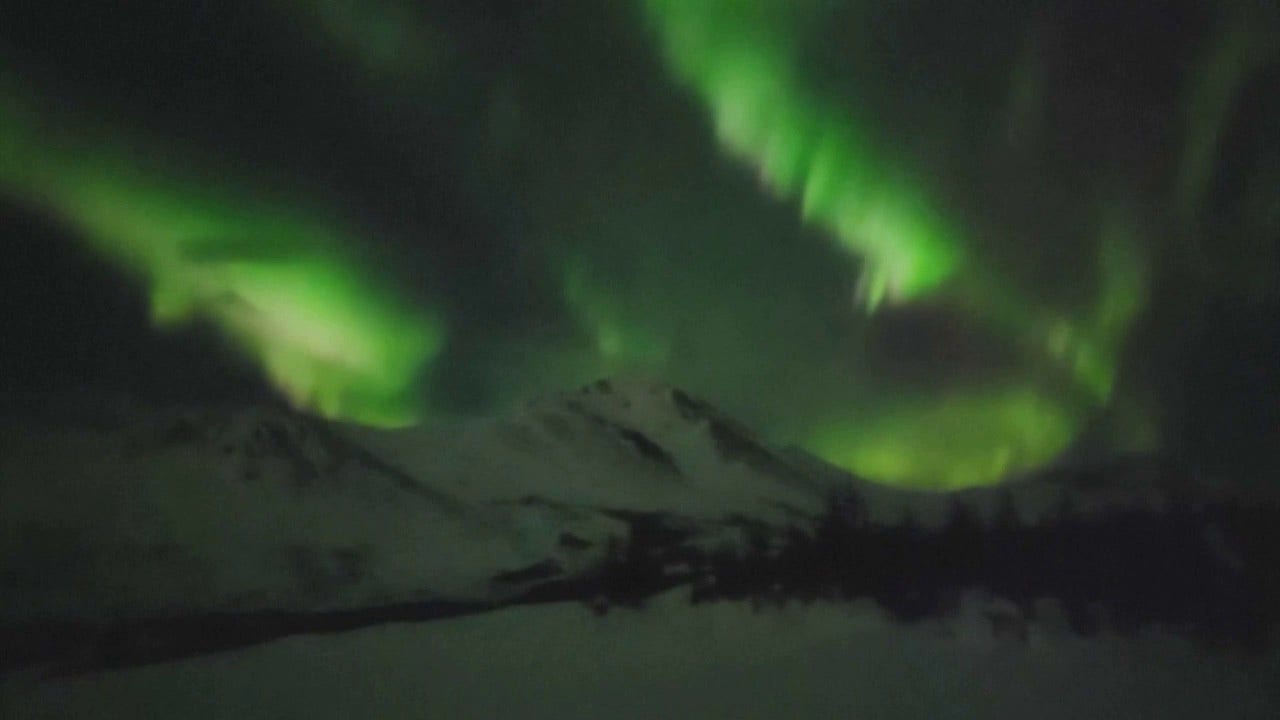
673 660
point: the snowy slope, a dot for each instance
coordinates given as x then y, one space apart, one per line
627 444
236 509
228 510
189 531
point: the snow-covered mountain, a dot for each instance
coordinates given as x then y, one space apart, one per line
191 530
238 509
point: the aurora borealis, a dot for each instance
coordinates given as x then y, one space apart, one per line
934 256
277 285
737 56
742 61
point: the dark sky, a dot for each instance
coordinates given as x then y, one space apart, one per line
554 184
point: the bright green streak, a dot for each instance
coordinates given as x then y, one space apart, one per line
741 59
273 279
738 59
979 436
976 438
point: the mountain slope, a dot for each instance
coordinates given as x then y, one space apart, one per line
190 531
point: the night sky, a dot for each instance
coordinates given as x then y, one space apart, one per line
936 243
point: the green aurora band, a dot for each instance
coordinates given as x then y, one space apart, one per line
738 56
276 281
963 440
741 59
286 285
1238 48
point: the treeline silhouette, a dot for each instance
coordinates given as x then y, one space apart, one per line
1205 570
1208 570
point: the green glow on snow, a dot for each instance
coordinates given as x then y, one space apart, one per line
274 280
